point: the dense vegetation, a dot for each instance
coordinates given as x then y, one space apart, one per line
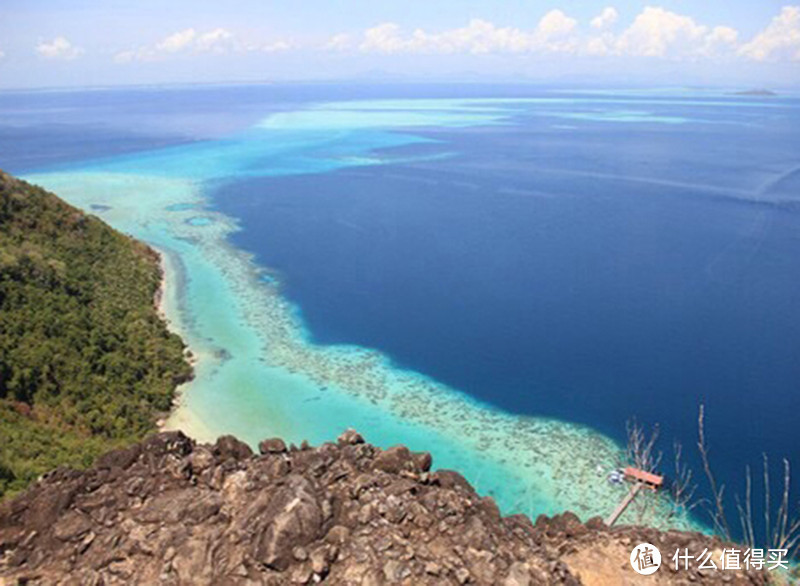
85 361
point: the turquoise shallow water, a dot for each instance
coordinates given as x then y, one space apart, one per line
259 374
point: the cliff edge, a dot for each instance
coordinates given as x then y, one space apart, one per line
170 511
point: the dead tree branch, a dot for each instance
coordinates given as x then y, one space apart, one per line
640 450
718 492
780 532
683 489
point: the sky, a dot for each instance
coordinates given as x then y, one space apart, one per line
726 43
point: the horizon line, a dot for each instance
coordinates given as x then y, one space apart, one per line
354 80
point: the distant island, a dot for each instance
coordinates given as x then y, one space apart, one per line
755 92
86 362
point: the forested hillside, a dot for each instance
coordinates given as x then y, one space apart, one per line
85 361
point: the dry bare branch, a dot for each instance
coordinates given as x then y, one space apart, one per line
718 492
780 532
683 489
640 451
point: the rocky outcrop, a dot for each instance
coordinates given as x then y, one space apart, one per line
168 511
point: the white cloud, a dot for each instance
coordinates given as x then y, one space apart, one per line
605 19
478 37
384 38
600 46
58 48
780 40
720 41
658 33
556 24
654 33
191 42
2 54
340 42
126 56
216 41
177 41
553 33
276 47
388 38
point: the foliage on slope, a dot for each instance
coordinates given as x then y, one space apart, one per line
85 361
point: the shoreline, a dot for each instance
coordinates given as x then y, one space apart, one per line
167 302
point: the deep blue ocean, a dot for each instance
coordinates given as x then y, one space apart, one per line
567 263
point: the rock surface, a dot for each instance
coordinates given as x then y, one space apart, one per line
169 511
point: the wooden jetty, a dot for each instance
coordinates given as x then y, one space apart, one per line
639 479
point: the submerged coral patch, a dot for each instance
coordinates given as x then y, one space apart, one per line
180 207
199 221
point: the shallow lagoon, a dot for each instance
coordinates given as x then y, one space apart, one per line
270 367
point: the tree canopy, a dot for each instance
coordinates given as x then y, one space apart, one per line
86 363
